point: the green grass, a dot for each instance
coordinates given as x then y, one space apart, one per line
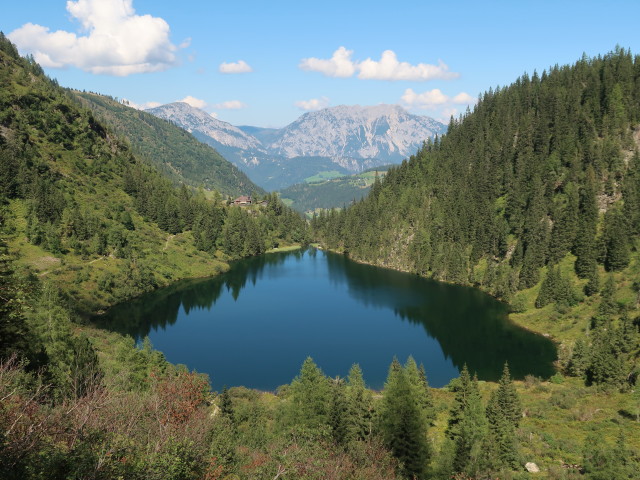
322 176
289 248
169 258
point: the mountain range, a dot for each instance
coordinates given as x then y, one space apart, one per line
348 139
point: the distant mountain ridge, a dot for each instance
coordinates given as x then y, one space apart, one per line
384 132
195 120
352 138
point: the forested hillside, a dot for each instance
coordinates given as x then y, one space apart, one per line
534 197
175 152
79 206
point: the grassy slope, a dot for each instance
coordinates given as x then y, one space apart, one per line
328 190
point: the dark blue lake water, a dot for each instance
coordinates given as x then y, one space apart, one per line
255 325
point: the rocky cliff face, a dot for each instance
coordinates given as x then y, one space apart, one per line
194 120
387 133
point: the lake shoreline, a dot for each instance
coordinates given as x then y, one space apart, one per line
515 321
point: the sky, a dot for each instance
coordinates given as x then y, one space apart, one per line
265 63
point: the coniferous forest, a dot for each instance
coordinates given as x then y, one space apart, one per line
534 197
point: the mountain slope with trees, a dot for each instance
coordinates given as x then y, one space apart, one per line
533 197
173 151
79 206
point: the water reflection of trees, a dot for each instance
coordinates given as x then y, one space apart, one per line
470 326
160 309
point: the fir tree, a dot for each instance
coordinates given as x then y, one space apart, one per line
339 414
226 404
504 412
402 424
471 431
360 405
310 395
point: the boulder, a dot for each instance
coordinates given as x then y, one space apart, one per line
532 467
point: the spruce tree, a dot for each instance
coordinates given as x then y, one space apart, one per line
418 380
339 414
310 396
547 292
585 245
462 387
616 243
504 412
606 365
470 434
226 405
402 424
360 404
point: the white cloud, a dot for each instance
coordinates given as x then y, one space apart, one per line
235 67
312 104
116 41
426 100
432 99
446 114
339 65
185 43
194 102
140 106
230 105
387 68
464 98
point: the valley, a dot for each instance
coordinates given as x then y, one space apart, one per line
350 139
469 309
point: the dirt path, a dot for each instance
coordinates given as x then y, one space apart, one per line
166 244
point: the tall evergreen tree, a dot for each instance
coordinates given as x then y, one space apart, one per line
310 396
471 434
402 424
339 414
360 404
504 413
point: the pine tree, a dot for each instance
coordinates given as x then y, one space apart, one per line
418 379
310 396
360 405
471 434
616 243
402 424
339 414
226 404
463 390
504 412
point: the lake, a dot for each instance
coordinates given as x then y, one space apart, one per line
256 324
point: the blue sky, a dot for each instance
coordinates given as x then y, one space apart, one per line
307 55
